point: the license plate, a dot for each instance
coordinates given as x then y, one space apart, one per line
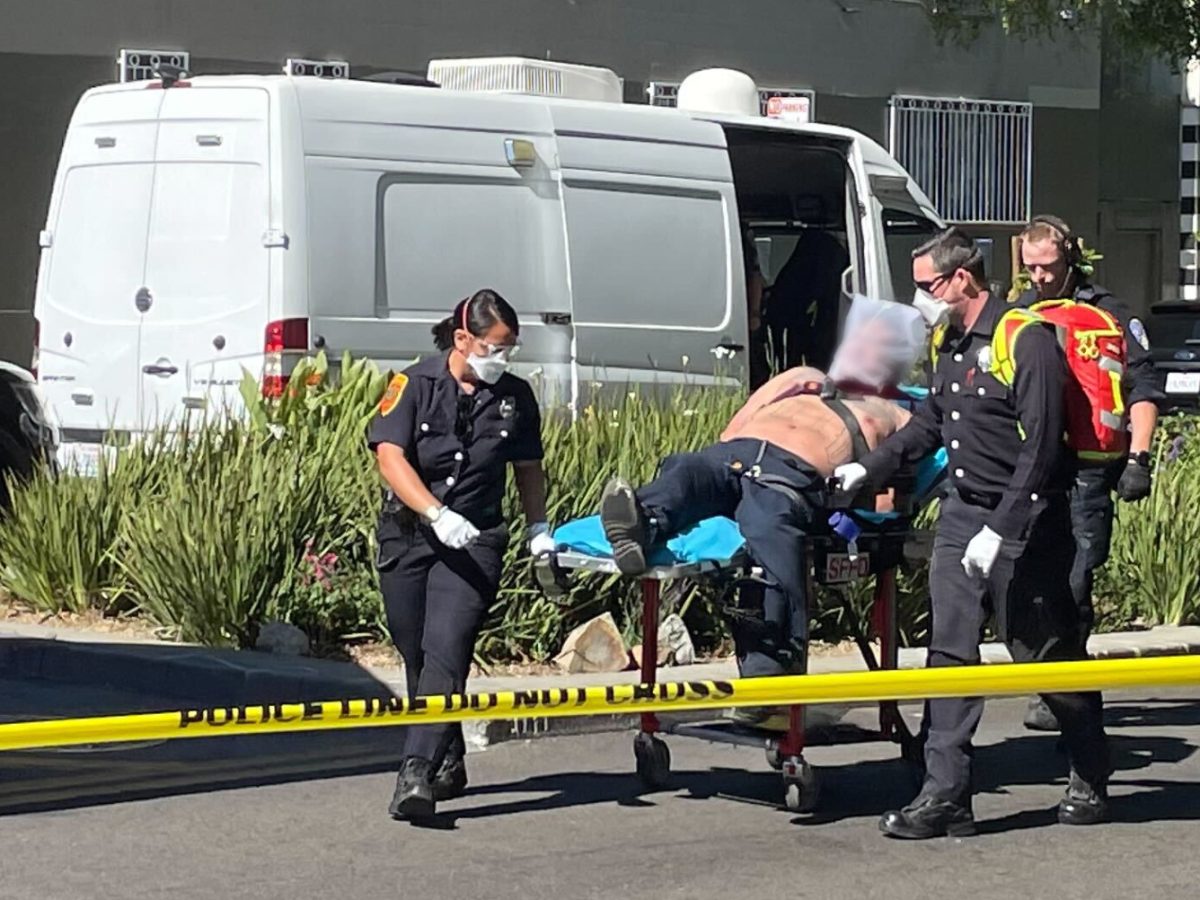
81 459
1183 382
839 567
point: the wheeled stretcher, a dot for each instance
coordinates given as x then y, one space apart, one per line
713 550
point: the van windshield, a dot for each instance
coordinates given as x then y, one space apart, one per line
1174 326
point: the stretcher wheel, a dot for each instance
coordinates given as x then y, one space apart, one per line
774 758
653 761
801 789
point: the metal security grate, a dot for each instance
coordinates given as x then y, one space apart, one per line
666 93
140 65
972 157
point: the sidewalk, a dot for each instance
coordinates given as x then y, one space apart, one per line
201 676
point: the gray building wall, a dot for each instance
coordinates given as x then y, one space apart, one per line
1113 188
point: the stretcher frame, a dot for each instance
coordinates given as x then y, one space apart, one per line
785 752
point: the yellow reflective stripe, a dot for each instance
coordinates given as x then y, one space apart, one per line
1118 397
1021 431
1004 342
1099 455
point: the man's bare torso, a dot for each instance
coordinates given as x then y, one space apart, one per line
806 427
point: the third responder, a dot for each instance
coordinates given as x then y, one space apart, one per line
1053 257
1003 544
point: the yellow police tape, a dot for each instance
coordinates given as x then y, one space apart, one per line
849 687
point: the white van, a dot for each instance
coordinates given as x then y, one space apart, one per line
230 223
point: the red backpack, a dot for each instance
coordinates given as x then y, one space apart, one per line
1094 344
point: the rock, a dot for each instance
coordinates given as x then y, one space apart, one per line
595 646
675 647
283 639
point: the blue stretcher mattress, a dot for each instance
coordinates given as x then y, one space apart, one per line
718 539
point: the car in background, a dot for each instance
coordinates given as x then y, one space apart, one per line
1174 330
29 433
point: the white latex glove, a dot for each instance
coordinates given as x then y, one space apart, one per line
541 543
453 530
851 475
981 553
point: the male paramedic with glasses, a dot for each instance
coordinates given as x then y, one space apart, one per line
999 546
1053 257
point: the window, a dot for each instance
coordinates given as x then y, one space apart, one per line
641 257
972 157
666 93
904 232
445 239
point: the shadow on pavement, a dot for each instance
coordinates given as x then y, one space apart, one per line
49 679
869 788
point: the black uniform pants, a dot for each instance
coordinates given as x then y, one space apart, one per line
436 600
741 480
1092 520
1029 593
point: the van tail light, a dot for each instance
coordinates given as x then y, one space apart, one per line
37 344
285 342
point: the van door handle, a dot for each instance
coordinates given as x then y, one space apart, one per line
556 318
726 349
160 370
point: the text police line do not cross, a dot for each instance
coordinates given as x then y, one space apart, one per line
842 687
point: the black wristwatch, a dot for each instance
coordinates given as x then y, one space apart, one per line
1142 459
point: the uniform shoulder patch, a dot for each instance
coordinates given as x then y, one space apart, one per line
391 397
1138 332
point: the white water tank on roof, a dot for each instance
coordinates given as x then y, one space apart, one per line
514 75
719 91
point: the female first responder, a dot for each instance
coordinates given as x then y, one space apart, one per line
445 430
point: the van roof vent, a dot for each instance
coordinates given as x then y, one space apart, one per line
726 91
514 75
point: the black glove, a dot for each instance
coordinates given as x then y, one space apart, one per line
1135 480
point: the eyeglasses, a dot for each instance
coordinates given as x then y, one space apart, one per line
929 286
501 350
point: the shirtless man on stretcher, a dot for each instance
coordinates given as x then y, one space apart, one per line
769 469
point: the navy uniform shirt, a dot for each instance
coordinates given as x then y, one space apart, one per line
1005 445
460 444
1140 382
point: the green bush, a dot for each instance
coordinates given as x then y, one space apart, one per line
1153 573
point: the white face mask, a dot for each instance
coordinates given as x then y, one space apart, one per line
935 312
488 369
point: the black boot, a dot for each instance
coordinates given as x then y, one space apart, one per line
1039 718
1084 804
927 817
624 526
450 783
414 797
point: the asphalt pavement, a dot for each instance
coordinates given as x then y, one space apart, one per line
564 818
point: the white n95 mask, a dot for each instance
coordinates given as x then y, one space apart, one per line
935 312
488 369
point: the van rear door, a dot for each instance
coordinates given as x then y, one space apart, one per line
207 265
93 264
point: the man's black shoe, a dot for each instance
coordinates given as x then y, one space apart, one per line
1039 718
450 783
413 798
624 526
1084 804
926 818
